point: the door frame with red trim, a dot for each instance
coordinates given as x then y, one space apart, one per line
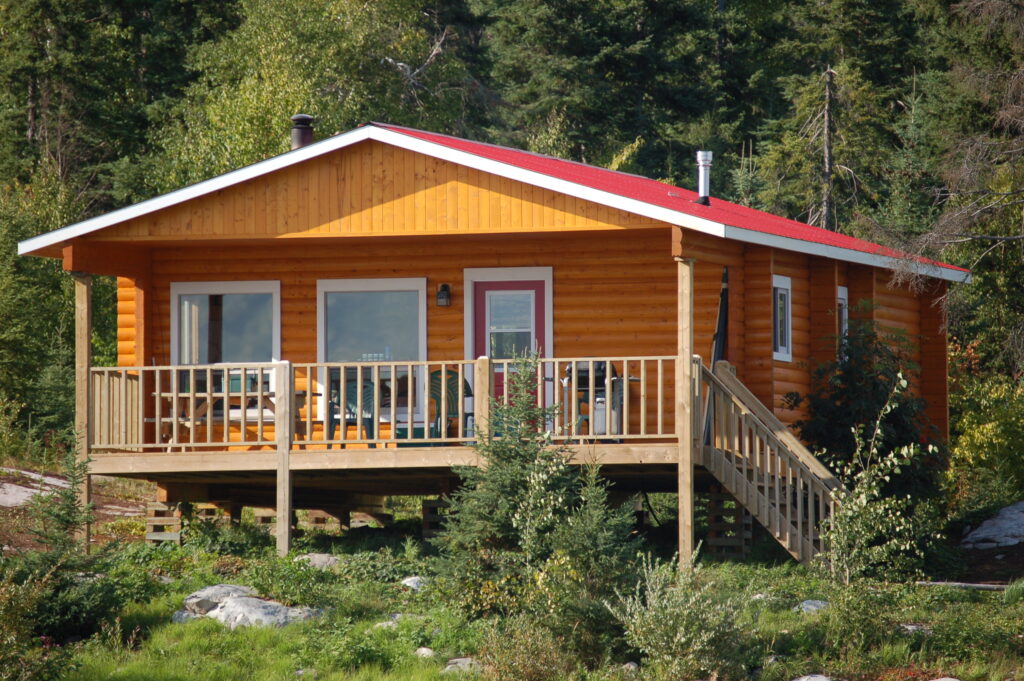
473 276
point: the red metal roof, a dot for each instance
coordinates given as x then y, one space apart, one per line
658 194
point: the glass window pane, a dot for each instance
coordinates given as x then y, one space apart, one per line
510 310
509 344
372 326
235 327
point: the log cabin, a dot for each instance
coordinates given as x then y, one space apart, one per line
335 323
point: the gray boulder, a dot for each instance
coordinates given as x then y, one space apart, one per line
246 611
1005 528
206 599
181 616
423 651
810 606
814 677
321 561
461 664
631 667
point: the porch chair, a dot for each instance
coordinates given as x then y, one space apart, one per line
336 417
439 426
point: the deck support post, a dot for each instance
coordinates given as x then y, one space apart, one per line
83 389
283 425
684 402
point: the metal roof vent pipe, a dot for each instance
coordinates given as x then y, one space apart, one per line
302 130
704 177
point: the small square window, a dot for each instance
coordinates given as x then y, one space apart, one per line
782 322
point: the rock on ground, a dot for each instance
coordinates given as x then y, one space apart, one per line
206 599
414 583
814 677
322 561
631 666
247 611
1005 528
181 616
809 606
423 651
461 664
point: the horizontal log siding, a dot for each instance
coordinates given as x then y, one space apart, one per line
612 295
373 189
934 357
794 376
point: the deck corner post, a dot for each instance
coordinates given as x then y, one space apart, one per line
684 404
483 383
83 387
283 425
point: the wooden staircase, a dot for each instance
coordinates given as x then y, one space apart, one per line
760 462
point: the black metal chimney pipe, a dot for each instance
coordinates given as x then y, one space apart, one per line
302 130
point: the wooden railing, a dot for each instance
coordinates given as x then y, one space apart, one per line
761 463
174 408
371 404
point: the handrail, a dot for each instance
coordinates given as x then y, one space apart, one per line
724 375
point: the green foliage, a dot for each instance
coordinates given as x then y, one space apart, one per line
518 648
871 533
867 379
242 539
684 626
24 656
991 426
60 514
1014 592
293 582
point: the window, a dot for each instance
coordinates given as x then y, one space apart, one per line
782 322
510 323
372 320
843 310
225 321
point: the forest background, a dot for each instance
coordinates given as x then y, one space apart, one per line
897 121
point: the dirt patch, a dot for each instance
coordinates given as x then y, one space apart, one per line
994 566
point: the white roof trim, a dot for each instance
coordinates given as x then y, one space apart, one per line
470 160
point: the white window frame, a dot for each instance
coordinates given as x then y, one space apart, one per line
325 286
843 310
784 353
180 288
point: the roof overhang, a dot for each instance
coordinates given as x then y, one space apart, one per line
510 171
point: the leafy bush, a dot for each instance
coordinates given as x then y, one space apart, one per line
293 582
1014 592
853 390
872 534
991 440
243 539
24 655
521 649
685 627
858 617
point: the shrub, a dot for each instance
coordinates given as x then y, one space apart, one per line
1014 592
853 390
857 617
23 654
293 582
872 534
521 649
686 629
243 539
991 427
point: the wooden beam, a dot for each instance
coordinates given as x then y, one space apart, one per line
109 259
83 393
684 403
283 429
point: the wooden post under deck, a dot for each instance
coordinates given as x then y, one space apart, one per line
684 403
83 393
283 435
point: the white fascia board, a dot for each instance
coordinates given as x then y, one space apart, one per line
555 184
837 253
196 190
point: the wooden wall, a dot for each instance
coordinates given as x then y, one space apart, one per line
372 189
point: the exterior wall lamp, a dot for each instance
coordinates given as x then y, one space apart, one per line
444 295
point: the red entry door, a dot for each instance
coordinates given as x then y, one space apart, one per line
508 321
